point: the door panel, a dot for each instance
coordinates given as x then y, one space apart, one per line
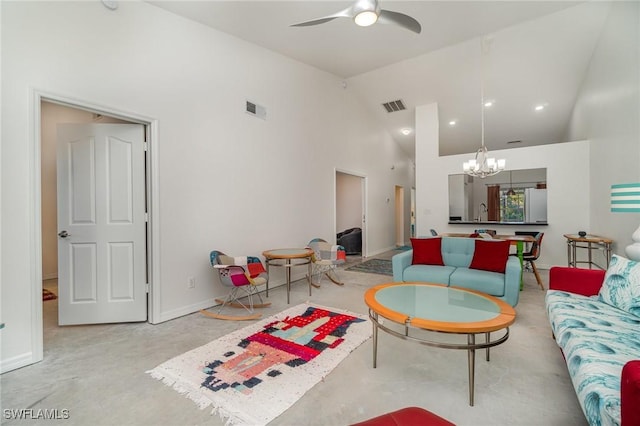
101 206
119 180
83 282
81 175
121 272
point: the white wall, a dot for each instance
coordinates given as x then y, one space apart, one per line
607 112
567 187
227 180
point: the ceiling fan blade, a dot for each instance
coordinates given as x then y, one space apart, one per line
314 22
400 19
346 13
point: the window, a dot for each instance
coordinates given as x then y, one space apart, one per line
512 205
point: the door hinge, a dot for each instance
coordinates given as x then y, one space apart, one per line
147 287
146 217
146 146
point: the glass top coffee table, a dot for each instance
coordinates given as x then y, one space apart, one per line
419 307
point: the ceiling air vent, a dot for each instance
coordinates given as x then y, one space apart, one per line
394 106
511 142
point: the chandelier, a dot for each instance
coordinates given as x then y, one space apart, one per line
482 165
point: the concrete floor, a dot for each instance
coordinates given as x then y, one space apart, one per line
98 372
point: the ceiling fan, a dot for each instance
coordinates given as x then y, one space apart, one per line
368 12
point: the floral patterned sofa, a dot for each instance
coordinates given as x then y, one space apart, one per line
595 319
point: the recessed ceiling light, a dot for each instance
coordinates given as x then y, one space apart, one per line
539 107
453 123
488 104
405 131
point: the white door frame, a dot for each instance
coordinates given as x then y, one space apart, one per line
399 212
35 256
364 218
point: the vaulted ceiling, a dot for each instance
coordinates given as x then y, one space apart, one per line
518 54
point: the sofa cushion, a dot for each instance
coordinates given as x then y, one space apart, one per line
427 251
428 273
597 340
621 287
474 279
490 255
457 251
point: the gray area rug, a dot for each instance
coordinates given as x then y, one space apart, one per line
373 266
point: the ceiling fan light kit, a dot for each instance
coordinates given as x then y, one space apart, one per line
365 18
366 13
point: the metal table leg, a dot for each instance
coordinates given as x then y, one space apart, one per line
471 340
288 272
375 339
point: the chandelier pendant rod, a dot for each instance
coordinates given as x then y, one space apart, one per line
483 166
482 49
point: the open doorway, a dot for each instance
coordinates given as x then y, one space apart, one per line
49 111
93 215
351 213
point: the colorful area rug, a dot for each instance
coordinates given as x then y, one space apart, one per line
251 376
48 295
373 266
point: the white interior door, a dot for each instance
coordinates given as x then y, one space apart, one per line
101 223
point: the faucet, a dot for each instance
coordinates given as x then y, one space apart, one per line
481 209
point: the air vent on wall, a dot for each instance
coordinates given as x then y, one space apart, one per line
394 106
256 110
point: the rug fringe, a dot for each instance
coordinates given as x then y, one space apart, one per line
201 401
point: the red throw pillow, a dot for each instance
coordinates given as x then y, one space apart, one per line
426 251
490 255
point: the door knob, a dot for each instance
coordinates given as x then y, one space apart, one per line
63 234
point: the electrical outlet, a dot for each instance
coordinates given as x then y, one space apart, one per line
192 282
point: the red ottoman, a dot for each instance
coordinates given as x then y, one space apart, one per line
410 416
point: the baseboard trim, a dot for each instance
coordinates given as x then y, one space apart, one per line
209 303
16 362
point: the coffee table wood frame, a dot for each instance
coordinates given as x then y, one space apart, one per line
502 321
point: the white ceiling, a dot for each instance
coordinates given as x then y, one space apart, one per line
537 52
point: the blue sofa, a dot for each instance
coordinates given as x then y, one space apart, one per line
457 255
